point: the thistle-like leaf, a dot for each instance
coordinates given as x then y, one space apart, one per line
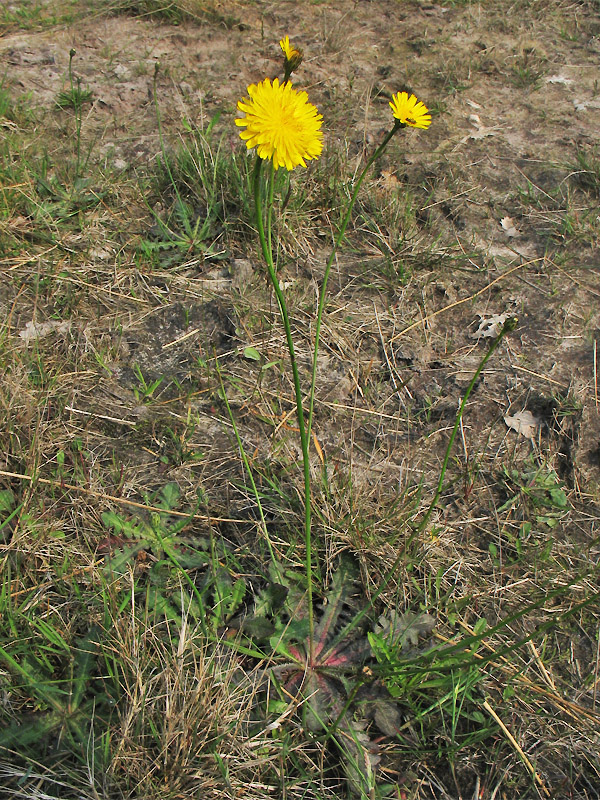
404 630
324 701
374 701
342 583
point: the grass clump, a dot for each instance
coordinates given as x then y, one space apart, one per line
37 15
588 175
170 11
201 189
176 12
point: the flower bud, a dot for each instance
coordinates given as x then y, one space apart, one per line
292 57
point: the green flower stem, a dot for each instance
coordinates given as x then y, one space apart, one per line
268 256
270 208
338 241
508 326
76 99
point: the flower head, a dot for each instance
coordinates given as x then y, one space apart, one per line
281 124
410 111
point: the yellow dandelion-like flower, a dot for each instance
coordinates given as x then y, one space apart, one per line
281 123
410 111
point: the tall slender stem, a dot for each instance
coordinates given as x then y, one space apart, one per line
338 241
305 429
265 242
270 208
76 100
508 326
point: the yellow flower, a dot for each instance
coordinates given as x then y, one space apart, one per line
281 124
410 111
292 56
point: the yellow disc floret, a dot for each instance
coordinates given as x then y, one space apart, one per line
410 111
281 124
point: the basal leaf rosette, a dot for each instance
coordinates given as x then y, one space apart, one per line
281 124
408 110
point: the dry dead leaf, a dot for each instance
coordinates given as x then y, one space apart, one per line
17 225
37 330
490 327
559 79
583 105
388 180
523 422
318 448
508 225
481 131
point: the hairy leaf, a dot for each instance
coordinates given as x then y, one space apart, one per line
339 592
404 630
